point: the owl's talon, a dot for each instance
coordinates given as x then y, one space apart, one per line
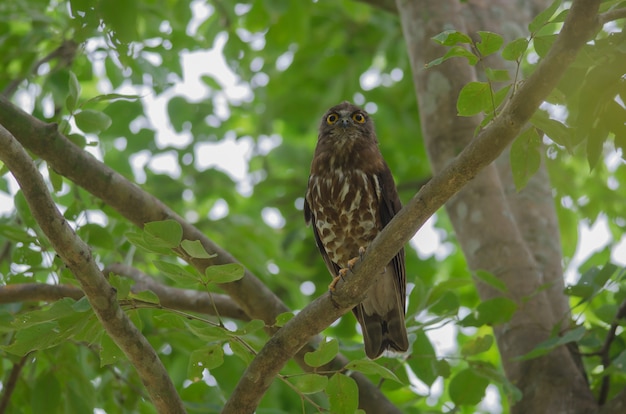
361 253
342 273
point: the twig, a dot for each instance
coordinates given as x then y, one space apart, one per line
65 52
77 256
9 385
612 15
605 353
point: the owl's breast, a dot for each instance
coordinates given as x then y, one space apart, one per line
345 207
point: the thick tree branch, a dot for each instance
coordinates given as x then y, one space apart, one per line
25 292
580 25
77 256
181 299
139 207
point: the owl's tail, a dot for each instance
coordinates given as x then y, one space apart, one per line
381 316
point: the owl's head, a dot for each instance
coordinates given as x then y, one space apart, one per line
346 121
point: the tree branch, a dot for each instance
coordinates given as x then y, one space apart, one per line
24 292
606 356
9 386
181 299
581 23
612 15
77 256
139 207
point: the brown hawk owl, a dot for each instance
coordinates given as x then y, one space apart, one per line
350 197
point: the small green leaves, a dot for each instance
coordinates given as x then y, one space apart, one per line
491 312
455 51
168 233
544 17
208 357
91 121
451 38
545 347
194 248
369 367
474 98
489 43
225 273
525 157
515 49
343 394
477 345
74 92
322 355
309 383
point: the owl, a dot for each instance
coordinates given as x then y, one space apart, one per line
350 198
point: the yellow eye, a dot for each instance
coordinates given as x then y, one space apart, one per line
332 118
358 117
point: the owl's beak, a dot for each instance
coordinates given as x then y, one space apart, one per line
344 122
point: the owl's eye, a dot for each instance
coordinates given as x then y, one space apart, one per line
358 117
332 118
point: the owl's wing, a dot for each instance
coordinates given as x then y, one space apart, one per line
389 207
332 267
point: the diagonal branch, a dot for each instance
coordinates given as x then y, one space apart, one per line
77 256
580 25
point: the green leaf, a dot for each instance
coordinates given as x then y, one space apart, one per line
194 248
343 394
147 296
177 273
496 311
309 383
477 345
283 318
543 17
241 351
451 38
250 327
543 44
525 157
424 362
369 367
474 98
455 51
555 130
46 395
170 232
490 280
515 49
467 388
74 92
138 239
110 353
208 357
323 354
112 97
489 43
121 284
225 273
497 75
90 121
547 346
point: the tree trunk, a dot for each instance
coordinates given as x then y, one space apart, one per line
512 235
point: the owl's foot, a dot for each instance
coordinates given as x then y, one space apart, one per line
343 272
